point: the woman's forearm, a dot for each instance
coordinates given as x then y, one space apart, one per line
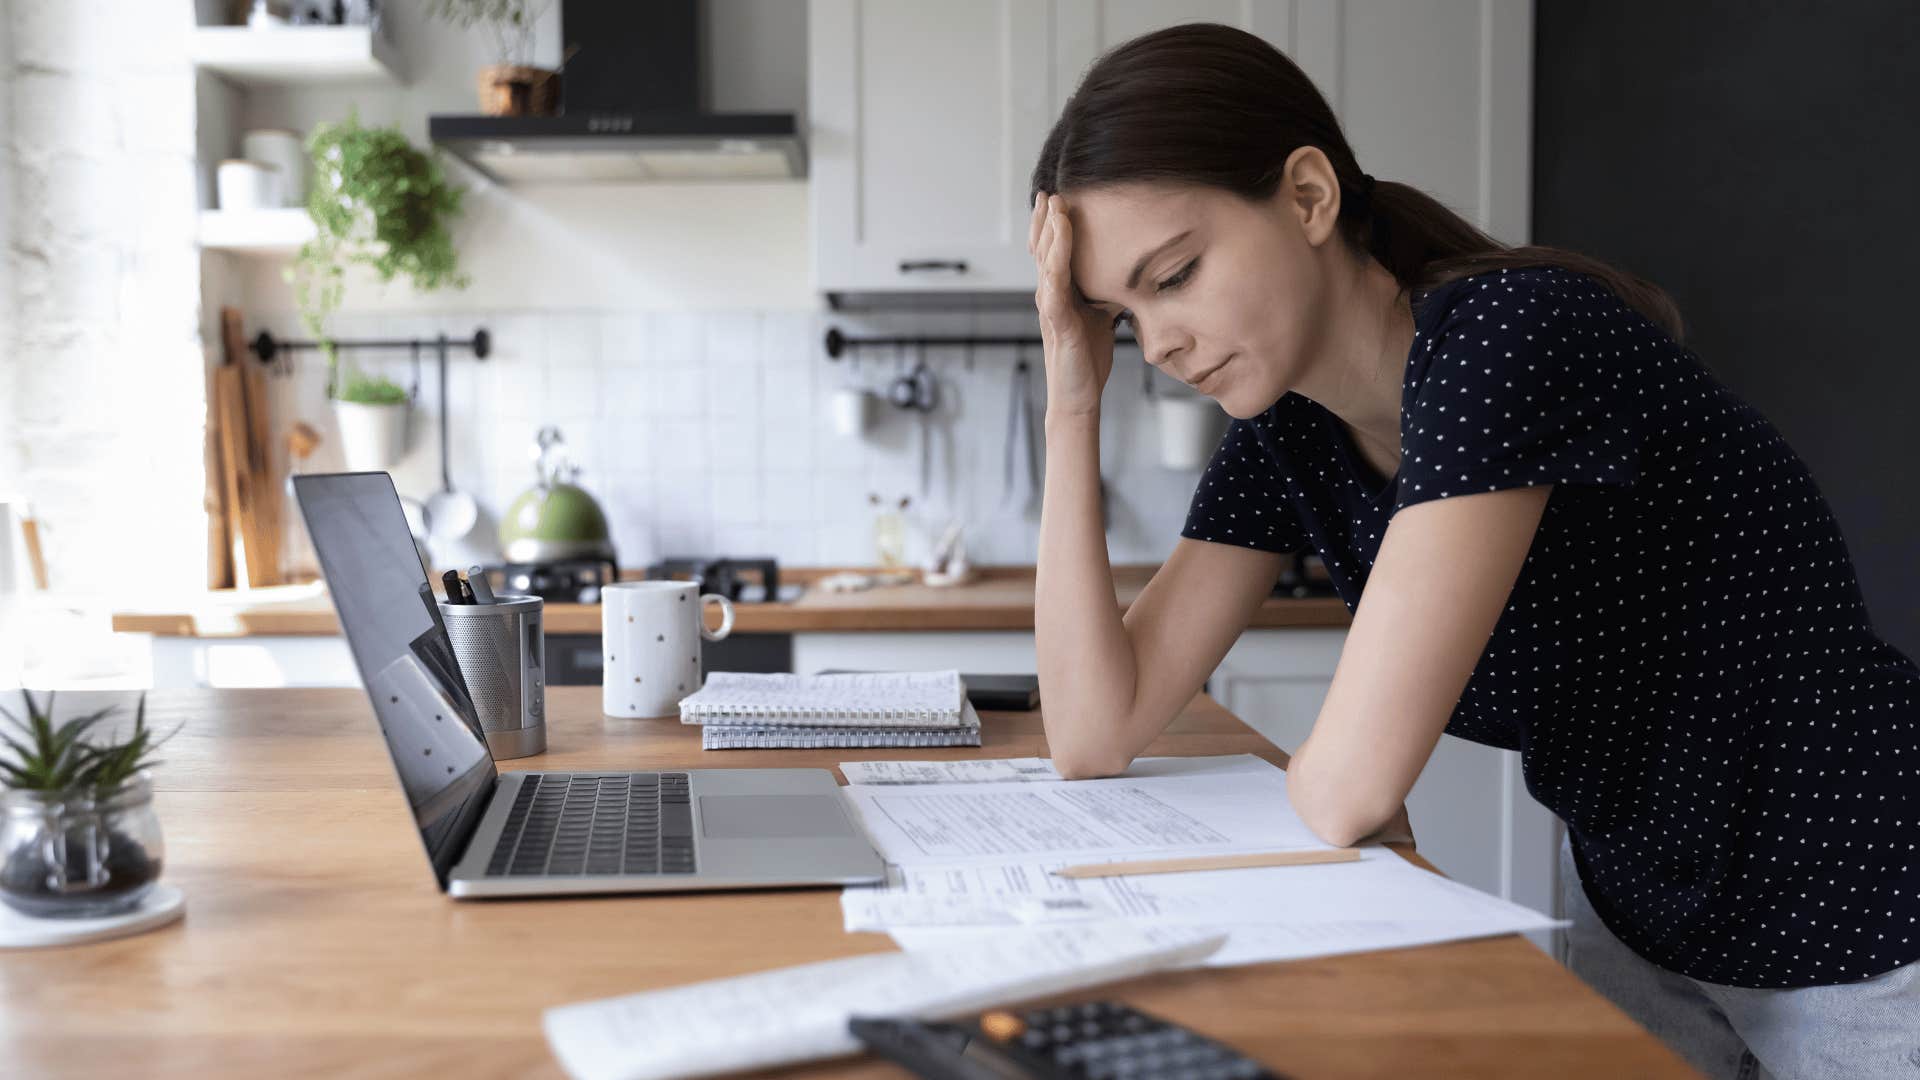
1085 659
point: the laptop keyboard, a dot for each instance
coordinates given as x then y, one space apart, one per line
573 824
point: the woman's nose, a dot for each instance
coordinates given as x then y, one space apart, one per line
1159 348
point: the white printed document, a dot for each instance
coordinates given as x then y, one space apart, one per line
969 861
1194 809
800 1013
1270 913
1029 769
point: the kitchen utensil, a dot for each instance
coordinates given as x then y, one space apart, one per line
555 519
918 389
652 632
302 441
1020 469
451 514
947 565
280 149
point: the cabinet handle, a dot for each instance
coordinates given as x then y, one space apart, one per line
908 266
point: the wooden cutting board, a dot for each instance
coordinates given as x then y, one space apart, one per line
248 473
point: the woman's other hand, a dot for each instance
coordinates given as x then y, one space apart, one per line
1077 338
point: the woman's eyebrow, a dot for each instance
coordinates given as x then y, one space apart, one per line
1139 267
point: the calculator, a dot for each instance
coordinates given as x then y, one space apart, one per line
1097 1040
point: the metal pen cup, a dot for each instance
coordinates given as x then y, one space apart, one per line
502 653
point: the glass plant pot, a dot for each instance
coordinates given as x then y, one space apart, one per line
70 854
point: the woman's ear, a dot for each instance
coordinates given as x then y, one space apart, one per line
1310 190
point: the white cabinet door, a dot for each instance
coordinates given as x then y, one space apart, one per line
926 117
1083 29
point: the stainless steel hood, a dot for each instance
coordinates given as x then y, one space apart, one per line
633 108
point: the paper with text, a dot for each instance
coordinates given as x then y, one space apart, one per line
800 1013
1229 807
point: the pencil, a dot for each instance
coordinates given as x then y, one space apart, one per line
1209 862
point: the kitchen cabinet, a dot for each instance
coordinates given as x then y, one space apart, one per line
927 116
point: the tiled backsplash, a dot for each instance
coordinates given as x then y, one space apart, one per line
709 433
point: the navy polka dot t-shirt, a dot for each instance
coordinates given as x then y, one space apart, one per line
1685 662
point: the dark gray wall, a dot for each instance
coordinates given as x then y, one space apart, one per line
1761 162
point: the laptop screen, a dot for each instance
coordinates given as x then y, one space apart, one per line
392 622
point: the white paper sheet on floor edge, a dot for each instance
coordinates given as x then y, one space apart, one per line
1184 806
800 1013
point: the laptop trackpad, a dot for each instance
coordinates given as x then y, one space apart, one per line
750 817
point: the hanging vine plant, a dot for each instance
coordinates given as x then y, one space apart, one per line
379 202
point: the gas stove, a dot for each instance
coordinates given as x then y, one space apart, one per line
741 580
560 581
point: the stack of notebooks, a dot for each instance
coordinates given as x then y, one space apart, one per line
745 710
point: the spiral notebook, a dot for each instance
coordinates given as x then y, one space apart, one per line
882 708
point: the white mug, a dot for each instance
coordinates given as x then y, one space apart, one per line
247 185
650 635
282 150
852 410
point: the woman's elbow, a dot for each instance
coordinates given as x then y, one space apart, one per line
1089 764
1340 818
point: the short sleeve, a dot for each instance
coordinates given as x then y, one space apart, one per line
1242 497
1533 376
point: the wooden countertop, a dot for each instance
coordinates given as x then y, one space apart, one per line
1001 599
315 941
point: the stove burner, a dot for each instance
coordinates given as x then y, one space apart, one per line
570 581
721 576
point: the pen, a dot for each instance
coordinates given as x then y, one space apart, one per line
477 581
456 593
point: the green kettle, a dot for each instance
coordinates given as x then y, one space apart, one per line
555 519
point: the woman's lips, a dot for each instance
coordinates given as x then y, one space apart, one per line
1200 383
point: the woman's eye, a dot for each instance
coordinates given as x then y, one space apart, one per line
1125 318
1178 279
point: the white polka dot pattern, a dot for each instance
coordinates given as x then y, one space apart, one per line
1685 663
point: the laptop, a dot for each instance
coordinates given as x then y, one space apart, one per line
490 834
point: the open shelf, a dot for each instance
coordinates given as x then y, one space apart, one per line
255 232
296 54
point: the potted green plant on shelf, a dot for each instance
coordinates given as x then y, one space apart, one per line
512 86
372 413
379 202
78 835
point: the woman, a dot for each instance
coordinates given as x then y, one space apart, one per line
1570 540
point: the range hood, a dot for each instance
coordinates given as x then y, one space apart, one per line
632 108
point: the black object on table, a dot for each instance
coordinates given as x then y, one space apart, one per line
1094 1040
1008 693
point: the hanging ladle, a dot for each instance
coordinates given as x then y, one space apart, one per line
451 514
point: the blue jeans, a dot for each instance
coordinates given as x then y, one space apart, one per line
1862 1030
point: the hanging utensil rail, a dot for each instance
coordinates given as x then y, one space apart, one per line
838 343
266 347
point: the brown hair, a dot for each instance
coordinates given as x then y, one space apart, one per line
1203 103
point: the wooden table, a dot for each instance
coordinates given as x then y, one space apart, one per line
316 943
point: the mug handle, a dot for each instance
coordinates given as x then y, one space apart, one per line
726 617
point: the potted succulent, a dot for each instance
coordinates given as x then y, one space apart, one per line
512 86
379 202
78 835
